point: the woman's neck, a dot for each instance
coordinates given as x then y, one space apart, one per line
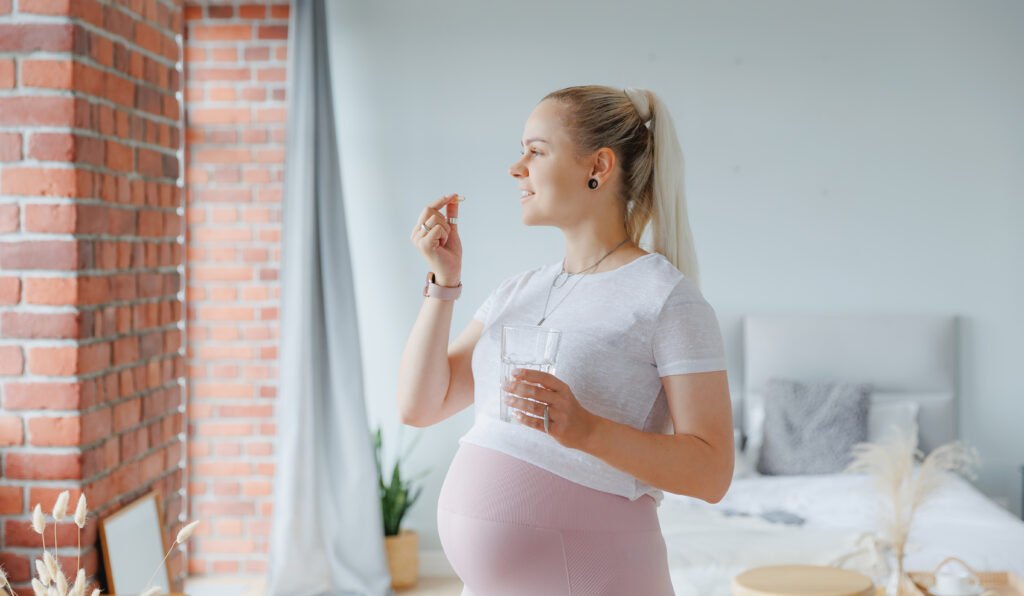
583 256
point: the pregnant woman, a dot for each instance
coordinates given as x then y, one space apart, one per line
563 499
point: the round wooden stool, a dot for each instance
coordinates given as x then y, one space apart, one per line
801 580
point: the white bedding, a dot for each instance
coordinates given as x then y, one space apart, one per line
706 547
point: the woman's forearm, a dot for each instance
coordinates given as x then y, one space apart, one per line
681 464
424 372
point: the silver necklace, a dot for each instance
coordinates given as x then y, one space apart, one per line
566 279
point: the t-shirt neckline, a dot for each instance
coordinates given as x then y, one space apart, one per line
558 266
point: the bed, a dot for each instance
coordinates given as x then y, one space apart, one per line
832 519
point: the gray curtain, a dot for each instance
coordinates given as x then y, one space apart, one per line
328 534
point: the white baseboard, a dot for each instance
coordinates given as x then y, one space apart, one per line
433 563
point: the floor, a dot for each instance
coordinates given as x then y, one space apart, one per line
238 586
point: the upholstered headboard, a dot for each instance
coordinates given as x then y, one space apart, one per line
904 357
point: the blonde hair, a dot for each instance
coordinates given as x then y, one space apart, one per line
649 156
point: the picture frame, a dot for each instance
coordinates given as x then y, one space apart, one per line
133 543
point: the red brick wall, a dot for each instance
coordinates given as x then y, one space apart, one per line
91 251
235 112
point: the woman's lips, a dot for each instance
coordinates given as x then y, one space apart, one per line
524 199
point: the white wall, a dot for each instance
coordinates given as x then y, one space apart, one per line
859 156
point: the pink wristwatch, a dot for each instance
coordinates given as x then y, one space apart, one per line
441 292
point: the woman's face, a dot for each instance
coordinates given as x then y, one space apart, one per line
550 170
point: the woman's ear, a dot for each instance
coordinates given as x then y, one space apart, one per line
603 163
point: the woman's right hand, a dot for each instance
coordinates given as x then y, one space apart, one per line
440 246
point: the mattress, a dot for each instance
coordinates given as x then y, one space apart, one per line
819 519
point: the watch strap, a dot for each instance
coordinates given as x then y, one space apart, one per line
432 290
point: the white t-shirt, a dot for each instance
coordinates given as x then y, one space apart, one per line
622 330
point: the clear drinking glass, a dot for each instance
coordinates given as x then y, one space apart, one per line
525 346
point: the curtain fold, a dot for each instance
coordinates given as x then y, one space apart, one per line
327 534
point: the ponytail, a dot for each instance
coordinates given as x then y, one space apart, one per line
637 126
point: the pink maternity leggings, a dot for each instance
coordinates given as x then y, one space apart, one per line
509 527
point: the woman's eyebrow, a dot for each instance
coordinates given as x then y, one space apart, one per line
532 140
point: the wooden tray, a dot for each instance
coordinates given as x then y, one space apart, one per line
998 583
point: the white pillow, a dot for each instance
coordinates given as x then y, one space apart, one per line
886 418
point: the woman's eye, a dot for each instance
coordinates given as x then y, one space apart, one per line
532 152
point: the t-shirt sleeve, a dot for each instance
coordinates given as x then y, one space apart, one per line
687 338
485 308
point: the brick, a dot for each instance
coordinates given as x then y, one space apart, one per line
9 219
252 11
259 449
275 115
254 94
26 325
56 431
46 497
52 7
126 350
43 466
51 290
214 115
119 157
47 146
220 74
10 142
147 37
20 533
11 499
36 37
127 414
36 111
7 74
59 361
224 55
49 74
11 361
279 11
273 32
45 396
217 313
225 430
10 290
206 273
40 182
53 219
271 75
94 357
222 156
222 390
43 254
11 432
220 32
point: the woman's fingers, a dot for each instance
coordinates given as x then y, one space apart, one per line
453 210
436 235
431 222
425 217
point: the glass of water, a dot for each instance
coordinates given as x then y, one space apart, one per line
525 346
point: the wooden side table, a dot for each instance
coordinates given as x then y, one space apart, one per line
802 580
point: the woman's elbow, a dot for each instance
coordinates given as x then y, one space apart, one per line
718 488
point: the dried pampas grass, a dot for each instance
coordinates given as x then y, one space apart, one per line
891 465
51 580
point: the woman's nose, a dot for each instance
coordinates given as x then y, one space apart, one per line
516 170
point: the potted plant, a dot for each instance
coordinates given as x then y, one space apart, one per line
401 544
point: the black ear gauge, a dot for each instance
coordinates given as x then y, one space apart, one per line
592 183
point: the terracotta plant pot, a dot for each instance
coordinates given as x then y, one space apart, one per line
403 558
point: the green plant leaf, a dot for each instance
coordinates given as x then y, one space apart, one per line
395 496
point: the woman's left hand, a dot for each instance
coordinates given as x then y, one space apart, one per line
569 423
